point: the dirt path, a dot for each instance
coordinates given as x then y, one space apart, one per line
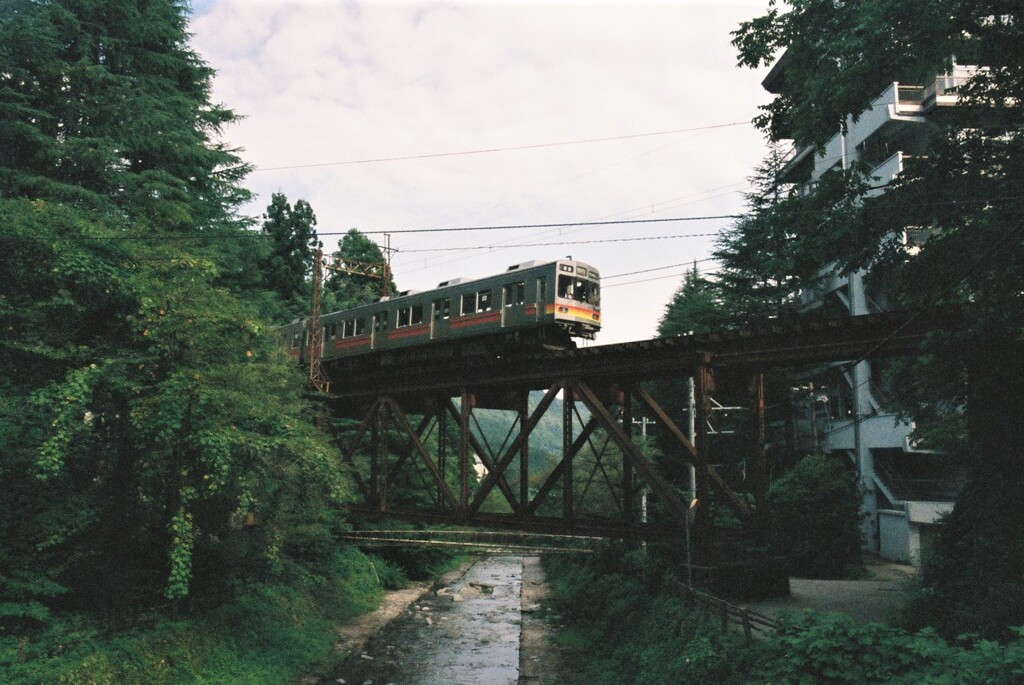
540 657
875 599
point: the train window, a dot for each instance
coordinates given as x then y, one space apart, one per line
483 301
403 317
515 293
570 288
468 303
295 340
348 328
442 309
566 287
360 326
542 289
416 315
380 321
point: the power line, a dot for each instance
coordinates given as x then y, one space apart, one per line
585 141
659 268
560 242
568 224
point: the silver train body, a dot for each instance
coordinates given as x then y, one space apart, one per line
527 306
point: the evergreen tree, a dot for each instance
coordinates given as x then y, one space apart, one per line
293 244
104 105
761 271
343 290
696 307
147 413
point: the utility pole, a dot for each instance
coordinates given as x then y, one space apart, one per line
376 271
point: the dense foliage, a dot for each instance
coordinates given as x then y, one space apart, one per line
293 243
625 624
155 447
963 196
814 518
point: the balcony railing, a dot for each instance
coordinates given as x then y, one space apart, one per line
910 95
944 83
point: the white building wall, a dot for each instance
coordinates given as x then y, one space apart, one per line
894 535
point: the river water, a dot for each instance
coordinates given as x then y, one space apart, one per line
467 633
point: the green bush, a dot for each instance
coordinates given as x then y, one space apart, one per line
390 575
835 649
618 628
814 514
268 633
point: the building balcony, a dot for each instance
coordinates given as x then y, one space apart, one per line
881 431
882 130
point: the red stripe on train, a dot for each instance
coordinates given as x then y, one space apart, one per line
349 343
409 332
474 319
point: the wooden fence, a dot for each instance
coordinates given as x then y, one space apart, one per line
749 621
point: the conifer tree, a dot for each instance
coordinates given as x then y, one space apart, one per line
147 413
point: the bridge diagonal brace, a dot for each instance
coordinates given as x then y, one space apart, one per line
630 451
484 452
488 461
348 452
599 456
562 466
736 503
417 445
524 434
421 429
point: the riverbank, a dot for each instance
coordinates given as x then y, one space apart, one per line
540 656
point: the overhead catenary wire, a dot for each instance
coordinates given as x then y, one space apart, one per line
563 242
483 151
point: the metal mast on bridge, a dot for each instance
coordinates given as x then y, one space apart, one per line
375 271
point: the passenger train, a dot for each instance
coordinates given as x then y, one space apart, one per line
528 306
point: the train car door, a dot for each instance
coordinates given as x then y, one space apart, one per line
440 317
540 298
379 331
513 304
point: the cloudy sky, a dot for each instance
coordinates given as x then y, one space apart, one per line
405 116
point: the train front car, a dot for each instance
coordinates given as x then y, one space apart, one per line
577 299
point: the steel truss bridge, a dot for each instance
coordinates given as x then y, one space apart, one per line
413 441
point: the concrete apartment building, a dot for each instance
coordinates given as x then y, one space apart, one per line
907 489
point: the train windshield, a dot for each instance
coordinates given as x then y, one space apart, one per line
579 289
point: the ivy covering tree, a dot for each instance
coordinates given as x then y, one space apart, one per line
154 445
965 194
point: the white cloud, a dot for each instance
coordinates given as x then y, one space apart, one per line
324 82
